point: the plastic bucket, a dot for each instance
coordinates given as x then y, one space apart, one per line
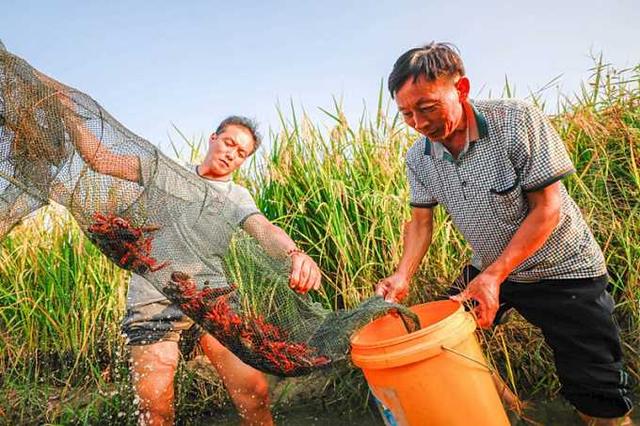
435 376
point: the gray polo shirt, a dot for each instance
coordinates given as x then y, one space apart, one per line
484 190
201 228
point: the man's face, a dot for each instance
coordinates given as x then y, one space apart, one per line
229 149
433 108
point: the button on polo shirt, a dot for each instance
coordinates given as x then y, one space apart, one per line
484 190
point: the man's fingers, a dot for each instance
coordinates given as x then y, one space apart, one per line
484 315
477 314
490 315
305 274
480 315
294 278
317 280
381 288
392 289
489 319
391 295
461 297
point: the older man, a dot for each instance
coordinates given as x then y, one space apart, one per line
496 167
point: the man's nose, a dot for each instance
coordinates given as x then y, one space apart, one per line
420 122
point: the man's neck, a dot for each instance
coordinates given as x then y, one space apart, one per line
458 140
205 172
466 131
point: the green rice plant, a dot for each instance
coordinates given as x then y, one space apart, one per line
342 195
58 295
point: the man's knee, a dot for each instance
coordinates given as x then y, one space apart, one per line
155 362
601 391
253 396
153 369
248 387
258 387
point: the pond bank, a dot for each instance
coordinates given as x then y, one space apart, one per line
555 412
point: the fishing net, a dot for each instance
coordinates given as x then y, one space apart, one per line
151 216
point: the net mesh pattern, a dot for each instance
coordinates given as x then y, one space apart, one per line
151 216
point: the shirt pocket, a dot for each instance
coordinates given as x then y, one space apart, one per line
507 201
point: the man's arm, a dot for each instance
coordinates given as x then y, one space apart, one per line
542 219
97 156
417 239
305 274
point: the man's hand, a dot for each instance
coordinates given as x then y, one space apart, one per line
305 274
393 288
484 289
543 217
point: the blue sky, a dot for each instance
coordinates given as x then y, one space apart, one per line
194 62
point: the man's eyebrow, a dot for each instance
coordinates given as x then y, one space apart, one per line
240 147
426 101
421 101
228 137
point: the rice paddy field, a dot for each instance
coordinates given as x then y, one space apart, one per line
341 193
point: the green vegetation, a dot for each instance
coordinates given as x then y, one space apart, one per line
343 196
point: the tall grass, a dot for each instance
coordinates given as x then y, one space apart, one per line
341 193
344 195
58 297
602 128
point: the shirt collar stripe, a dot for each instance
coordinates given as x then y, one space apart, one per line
483 128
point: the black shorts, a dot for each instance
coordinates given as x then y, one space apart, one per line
575 316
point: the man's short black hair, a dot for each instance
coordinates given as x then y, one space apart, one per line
247 123
431 61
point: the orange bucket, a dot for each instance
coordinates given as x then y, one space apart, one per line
435 376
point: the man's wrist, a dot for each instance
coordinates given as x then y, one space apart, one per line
294 251
403 275
497 270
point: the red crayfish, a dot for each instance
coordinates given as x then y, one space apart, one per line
266 341
127 245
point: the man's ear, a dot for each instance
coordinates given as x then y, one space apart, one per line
213 137
463 86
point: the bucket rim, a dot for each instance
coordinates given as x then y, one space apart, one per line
409 336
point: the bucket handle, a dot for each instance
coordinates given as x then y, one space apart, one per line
518 407
460 354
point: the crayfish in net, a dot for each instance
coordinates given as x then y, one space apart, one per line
127 245
268 342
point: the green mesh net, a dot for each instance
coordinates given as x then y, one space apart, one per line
151 216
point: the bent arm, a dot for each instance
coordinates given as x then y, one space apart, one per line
97 156
272 239
305 274
542 219
416 241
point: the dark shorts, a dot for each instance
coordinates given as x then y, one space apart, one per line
575 317
158 321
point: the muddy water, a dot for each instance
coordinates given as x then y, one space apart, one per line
558 412
306 418
555 412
